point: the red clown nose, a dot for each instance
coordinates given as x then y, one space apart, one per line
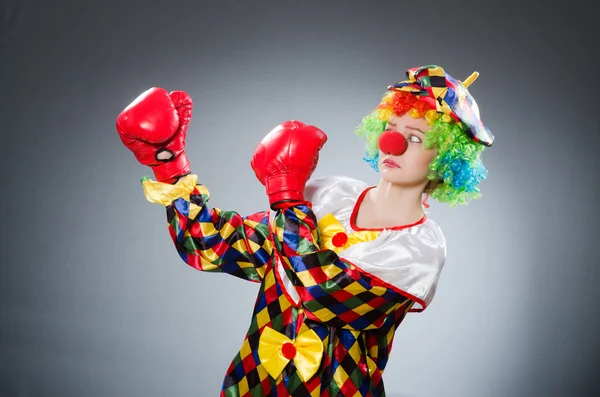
392 142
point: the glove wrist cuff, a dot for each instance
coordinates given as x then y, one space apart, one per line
285 188
284 205
171 171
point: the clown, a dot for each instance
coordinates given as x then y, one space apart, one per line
339 263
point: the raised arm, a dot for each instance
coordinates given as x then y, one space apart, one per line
210 239
154 128
332 289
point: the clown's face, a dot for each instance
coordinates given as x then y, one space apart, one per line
408 164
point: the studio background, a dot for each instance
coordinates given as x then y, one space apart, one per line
95 301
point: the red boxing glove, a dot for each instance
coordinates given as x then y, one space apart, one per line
154 128
285 159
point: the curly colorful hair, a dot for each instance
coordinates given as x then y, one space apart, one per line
456 171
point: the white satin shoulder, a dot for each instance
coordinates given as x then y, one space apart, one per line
410 259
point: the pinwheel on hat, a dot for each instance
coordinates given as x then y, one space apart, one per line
449 96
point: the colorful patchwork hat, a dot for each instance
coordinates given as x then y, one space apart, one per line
449 96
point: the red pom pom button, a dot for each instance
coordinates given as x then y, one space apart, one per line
289 350
339 239
392 142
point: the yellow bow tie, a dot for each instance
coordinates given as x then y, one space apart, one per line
334 236
276 350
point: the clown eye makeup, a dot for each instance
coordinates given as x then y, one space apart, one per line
414 138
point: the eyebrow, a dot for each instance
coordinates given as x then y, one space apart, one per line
415 128
392 124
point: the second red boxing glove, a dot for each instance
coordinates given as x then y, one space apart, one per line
154 127
285 159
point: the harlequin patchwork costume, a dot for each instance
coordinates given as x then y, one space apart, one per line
331 293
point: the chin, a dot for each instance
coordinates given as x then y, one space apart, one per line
391 176
395 177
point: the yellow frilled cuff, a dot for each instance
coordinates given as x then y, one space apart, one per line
276 350
334 236
166 193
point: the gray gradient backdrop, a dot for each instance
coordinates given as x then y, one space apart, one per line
94 298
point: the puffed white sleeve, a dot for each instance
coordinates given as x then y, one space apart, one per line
411 260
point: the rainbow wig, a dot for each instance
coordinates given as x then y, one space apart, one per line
457 170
